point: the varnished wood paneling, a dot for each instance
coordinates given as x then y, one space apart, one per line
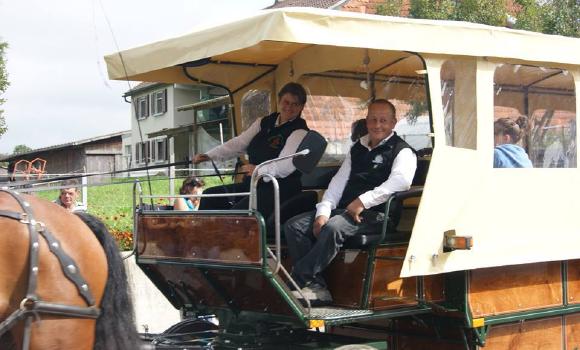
434 287
246 290
545 334
345 277
418 343
223 239
412 334
573 281
572 339
499 290
387 289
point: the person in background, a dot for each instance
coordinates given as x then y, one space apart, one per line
68 198
192 186
378 164
507 153
276 135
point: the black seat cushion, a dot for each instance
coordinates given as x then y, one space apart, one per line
300 203
155 207
363 241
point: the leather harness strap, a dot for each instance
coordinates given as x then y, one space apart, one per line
31 306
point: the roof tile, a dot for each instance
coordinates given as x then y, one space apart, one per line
323 4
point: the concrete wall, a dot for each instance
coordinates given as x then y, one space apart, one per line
152 310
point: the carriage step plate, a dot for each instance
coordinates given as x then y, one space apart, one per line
335 313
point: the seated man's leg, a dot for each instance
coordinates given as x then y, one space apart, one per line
299 238
326 246
331 238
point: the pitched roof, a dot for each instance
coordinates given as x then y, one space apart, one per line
66 145
322 4
370 6
140 87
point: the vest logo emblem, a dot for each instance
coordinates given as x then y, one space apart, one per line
275 142
377 161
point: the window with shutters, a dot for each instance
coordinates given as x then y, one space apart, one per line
142 107
159 102
160 147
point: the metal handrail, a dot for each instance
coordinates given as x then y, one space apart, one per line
254 181
254 205
276 217
136 187
200 195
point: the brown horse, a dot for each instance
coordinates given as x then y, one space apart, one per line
95 262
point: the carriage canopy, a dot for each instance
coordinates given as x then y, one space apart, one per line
467 74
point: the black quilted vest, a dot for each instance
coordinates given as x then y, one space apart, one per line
370 169
270 141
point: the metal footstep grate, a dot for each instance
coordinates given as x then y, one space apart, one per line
332 313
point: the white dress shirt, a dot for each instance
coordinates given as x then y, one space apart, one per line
237 146
400 179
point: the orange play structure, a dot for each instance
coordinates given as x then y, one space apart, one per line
29 168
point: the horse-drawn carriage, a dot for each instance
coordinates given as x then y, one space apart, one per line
481 257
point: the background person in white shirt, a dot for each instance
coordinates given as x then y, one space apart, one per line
68 198
275 135
379 164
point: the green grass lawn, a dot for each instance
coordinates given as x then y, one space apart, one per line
112 203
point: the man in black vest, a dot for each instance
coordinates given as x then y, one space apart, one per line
378 164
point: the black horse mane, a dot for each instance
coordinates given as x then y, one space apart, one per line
116 325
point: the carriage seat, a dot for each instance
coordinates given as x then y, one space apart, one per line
371 239
298 204
393 234
155 207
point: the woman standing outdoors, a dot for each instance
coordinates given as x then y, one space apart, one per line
275 135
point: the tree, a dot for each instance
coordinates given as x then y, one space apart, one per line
21 149
491 12
3 86
562 17
390 8
531 16
429 9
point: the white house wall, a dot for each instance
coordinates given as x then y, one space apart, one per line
184 95
177 95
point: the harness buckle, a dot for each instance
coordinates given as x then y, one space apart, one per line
27 304
24 218
39 226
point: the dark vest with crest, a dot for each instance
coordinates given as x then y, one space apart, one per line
370 168
270 141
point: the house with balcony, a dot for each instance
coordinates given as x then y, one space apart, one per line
171 122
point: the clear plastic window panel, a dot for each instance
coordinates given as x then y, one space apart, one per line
542 102
459 103
338 99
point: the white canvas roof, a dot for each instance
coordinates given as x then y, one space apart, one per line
272 36
514 215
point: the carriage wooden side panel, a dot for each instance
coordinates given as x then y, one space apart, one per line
387 289
572 331
536 334
573 281
506 289
204 238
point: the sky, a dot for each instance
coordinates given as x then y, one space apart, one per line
59 91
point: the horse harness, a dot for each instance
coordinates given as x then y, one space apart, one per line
31 306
